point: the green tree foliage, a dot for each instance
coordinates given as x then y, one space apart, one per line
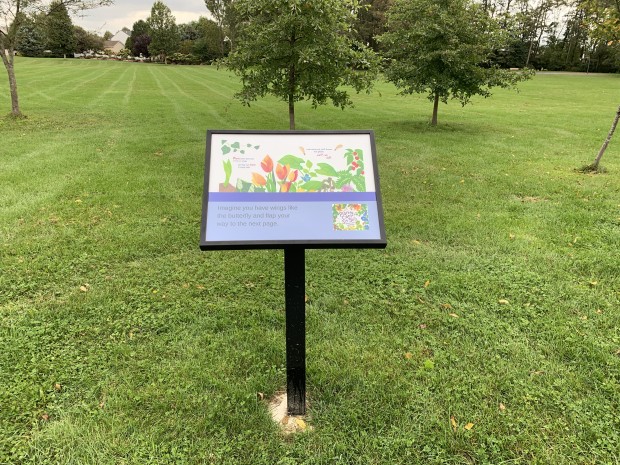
164 32
60 37
139 38
86 41
300 50
32 37
226 18
107 35
13 14
207 45
371 21
443 48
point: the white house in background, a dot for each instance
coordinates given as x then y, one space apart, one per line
114 46
120 36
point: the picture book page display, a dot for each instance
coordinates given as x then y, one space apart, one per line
264 189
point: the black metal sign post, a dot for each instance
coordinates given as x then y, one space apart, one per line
295 297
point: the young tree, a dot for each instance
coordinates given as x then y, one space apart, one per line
300 50
443 48
13 14
60 34
164 31
595 165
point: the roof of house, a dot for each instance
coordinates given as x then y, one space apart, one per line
120 36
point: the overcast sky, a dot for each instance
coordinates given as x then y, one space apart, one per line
126 12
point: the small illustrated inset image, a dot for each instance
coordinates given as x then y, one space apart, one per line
350 216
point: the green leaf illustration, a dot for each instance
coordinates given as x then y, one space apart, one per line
308 164
235 145
225 149
360 183
243 186
294 162
312 185
326 170
341 181
227 171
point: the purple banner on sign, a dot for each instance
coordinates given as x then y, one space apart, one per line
292 196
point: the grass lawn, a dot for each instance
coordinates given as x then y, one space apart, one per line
495 305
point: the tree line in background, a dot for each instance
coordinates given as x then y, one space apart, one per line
308 49
559 35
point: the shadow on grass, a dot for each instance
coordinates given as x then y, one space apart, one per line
449 127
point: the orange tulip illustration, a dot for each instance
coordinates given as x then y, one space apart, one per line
292 176
267 164
258 179
282 171
285 187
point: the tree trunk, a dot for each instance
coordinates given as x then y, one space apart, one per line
8 64
435 108
291 97
291 112
597 161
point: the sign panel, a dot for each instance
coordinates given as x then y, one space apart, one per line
271 189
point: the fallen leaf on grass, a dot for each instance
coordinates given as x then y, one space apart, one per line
408 355
45 417
468 426
300 423
427 283
453 423
447 306
454 315
57 387
260 396
284 420
538 373
306 298
502 407
422 326
593 283
503 302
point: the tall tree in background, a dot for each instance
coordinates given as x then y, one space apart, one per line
226 18
371 21
164 31
139 38
60 36
207 46
300 50
443 48
13 14
32 36
86 41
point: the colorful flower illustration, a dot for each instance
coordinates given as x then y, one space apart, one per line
282 171
350 217
292 173
258 179
267 164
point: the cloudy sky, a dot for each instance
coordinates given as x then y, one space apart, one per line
126 12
